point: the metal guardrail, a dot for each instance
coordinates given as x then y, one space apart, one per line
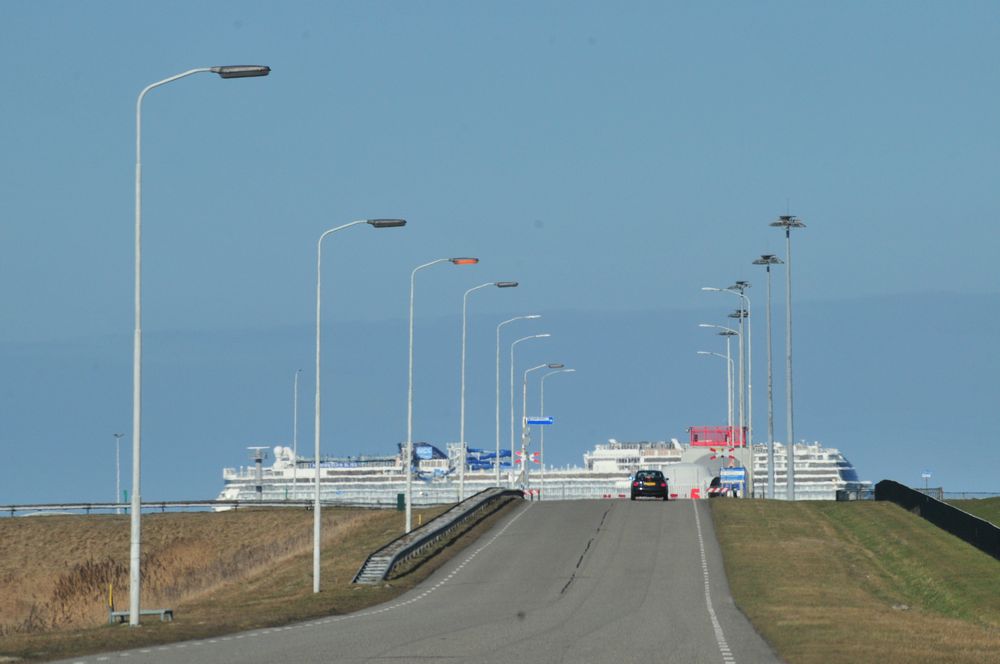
978 532
380 564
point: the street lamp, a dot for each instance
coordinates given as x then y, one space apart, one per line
510 320
461 417
512 346
745 358
295 432
237 71
767 260
524 415
409 393
788 222
118 471
374 223
541 434
729 386
728 332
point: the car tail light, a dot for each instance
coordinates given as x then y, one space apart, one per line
635 483
663 484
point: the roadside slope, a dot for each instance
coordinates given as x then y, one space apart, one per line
859 581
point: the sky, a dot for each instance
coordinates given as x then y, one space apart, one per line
613 158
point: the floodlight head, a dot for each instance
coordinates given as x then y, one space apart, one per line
464 261
740 286
241 71
788 221
387 223
768 259
728 333
739 313
506 284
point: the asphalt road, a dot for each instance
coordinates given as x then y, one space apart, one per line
576 582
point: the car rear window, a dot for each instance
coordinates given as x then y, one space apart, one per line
649 475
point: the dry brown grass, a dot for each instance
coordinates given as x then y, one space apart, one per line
221 573
859 582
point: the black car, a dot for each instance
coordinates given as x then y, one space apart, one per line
650 484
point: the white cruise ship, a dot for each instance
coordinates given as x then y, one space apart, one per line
693 471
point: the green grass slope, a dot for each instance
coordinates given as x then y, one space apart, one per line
859 582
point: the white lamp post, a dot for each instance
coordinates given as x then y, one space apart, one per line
788 222
295 432
524 416
461 417
513 345
729 385
409 394
729 332
767 260
541 433
510 320
374 223
745 379
237 71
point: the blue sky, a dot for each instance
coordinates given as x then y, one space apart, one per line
612 157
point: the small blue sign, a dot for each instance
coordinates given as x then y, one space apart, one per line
539 420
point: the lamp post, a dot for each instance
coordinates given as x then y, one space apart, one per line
295 432
506 322
544 335
745 358
728 332
118 471
461 417
409 392
729 385
767 260
317 507
740 288
237 71
541 433
788 222
524 416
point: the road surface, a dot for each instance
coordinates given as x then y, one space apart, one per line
576 582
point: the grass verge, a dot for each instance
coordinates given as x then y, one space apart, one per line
272 591
984 508
859 582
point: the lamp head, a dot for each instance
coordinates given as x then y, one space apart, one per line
506 284
555 365
241 71
464 261
768 259
387 223
787 221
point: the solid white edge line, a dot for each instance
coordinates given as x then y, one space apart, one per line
720 637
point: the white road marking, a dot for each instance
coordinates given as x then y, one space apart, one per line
720 638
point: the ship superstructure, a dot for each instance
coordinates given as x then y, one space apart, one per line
820 472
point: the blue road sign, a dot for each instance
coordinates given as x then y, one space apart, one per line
539 420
